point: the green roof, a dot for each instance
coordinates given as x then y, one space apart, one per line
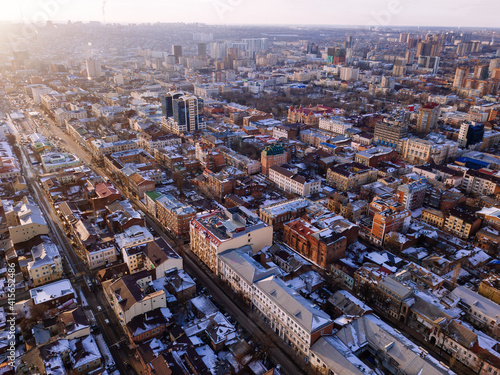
153 195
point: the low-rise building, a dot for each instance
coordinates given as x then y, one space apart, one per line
46 265
174 215
350 176
290 181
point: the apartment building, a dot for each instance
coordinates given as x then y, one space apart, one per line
46 265
24 220
350 176
480 183
322 246
372 157
390 134
462 223
101 253
215 232
490 216
421 151
128 242
388 216
99 147
290 181
241 271
412 194
131 296
334 124
274 155
296 321
277 214
433 217
174 215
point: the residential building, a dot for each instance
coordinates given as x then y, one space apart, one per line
421 151
215 232
427 118
296 321
470 133
290 181
321 246
46 265
278 213
388 216
275 155
412 194
174 215
130 296
24 220
350 176
371 157
462 223
101 253
52 295
433 217
479 183
390 134
334 124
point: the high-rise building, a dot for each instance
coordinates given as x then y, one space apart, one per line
202 49
481 71
177 52
429 63
256 44
390 134
93 68
349 43
218 50
182 112
274 155
427 118
470 133
461 75
428 48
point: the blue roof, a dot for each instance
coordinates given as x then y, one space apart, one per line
328 145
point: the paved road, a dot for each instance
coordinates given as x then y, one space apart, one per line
74 266
280 353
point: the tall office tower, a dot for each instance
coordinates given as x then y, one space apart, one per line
218 50
177 52
428 48
461 75
184 111
481 72
349 43
427 118
312 48
93 68
202 49
471 132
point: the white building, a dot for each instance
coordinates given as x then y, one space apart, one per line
335 124
290 181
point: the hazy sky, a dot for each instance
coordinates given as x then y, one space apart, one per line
479 13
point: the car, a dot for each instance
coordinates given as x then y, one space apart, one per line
94 327
106 321
99 308
111 367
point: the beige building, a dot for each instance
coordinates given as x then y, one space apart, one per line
218 231
292 182
46 265
433 217
24 220
101 254
350 176
421 151
129 296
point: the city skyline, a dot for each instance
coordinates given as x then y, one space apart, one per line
277 12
